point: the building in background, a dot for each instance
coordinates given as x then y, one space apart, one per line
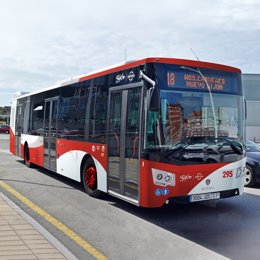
174 123
251 83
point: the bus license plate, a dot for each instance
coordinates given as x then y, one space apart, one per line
204 196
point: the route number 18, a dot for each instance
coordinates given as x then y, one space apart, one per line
170 79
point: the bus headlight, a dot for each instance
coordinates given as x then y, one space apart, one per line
163 178
168 177
159 176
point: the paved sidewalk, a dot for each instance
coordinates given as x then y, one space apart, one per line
21 237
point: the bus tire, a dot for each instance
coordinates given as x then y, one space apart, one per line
27 157
89 178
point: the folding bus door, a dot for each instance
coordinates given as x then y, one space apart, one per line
18 129
124 124
50 133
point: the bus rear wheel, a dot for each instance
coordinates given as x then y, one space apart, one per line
89 179
27 157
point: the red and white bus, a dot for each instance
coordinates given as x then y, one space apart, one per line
145 131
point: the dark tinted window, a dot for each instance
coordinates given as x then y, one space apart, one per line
68 116
82 110
37 119
26 116
98 111
20 116
37 110
68 111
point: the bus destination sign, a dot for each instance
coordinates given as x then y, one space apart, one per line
218 82
197 82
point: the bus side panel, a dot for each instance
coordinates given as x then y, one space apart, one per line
35 145
12 127
185 180
70 155
12 141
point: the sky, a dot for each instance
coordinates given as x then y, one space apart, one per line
46 41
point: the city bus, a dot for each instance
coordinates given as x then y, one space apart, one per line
148 131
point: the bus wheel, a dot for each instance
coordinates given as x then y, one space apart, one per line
89 179
27 157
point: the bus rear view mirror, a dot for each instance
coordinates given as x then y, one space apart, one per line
154 103
153 97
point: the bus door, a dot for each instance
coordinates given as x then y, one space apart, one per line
50 132
124 125
18 129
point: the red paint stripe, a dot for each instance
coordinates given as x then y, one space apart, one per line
36 155
12 142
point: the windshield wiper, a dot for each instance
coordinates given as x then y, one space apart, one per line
177 149
236 146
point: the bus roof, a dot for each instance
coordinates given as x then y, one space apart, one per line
130 64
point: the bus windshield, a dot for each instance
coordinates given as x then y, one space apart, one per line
196 105
185 122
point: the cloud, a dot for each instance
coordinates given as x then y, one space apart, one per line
47 41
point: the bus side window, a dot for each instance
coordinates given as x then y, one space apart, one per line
151 129
82 110
37 120
98 113
26 116
68 117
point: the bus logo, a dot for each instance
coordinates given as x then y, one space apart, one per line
131 76
119 78
198 176
185 177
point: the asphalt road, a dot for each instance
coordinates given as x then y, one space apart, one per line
227 228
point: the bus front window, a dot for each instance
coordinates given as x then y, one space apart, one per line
186 116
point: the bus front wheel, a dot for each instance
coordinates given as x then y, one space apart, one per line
89 179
